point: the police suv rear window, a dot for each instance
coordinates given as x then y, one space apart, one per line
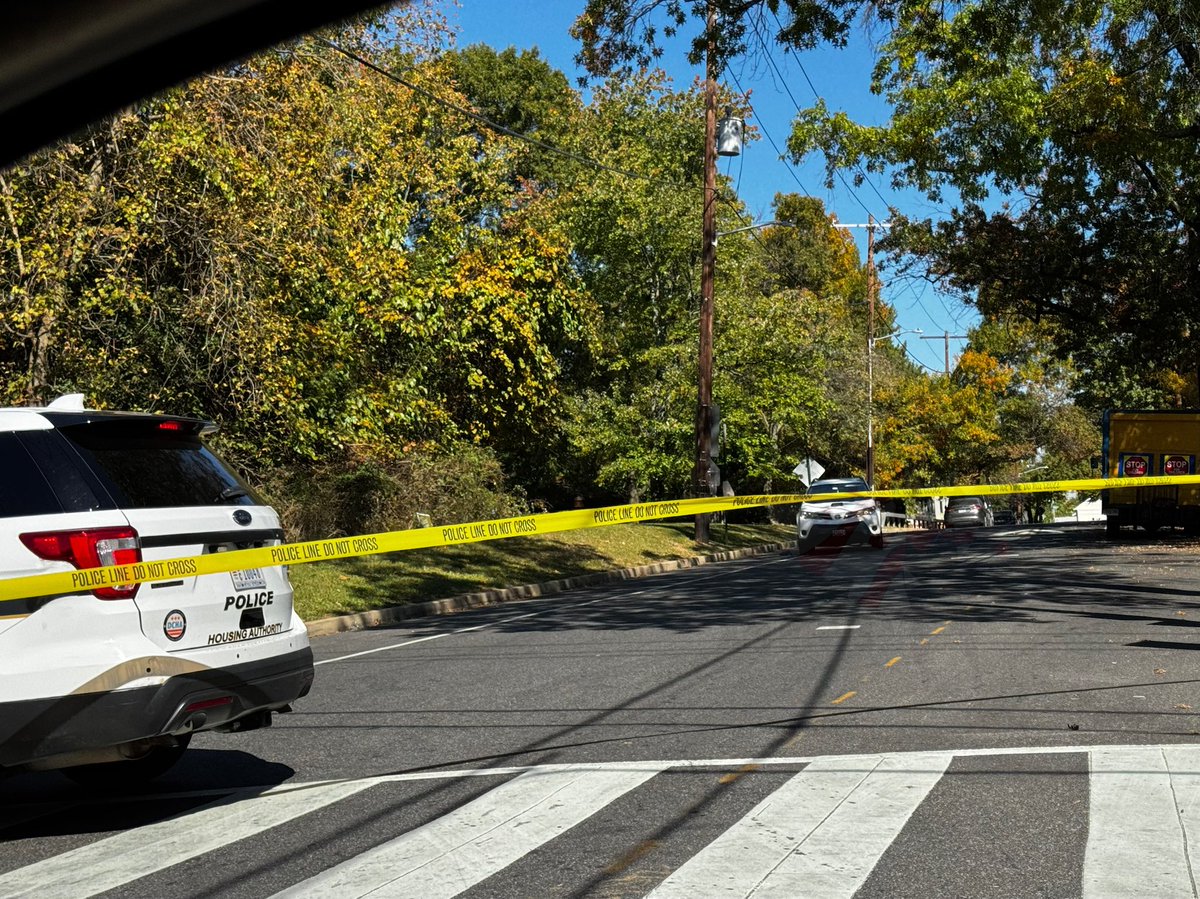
145 467
23 489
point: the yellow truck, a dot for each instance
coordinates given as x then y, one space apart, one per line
1143 443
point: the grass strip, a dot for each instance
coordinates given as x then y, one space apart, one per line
375 582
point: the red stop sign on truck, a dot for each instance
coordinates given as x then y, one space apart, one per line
1135 466
1177 465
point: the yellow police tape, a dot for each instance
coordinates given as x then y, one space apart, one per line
79 581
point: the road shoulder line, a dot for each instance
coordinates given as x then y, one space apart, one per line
324 627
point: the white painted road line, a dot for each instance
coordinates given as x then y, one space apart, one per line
839 627
1136 844
461 630
560 607
819 835
457 851
120 859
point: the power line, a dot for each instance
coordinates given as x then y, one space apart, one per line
816 93
501 129
770 59
738 212
771 140
788 90
917 300
947 337
956 317
927 368
866 180
741 166
550 148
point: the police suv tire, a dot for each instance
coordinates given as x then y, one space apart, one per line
131 773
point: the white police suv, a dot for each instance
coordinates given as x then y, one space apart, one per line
110 685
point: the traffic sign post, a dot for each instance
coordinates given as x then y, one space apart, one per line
808 471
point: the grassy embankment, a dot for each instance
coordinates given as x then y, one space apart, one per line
373 582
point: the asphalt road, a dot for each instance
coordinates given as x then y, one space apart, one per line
971 713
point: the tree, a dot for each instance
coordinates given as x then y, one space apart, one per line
780 357
636 249
944 430
523 93
1081 118
331 265
615 34
1040 421
1066 131
790 369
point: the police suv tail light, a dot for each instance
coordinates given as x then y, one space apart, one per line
90 548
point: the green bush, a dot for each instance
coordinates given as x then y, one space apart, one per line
460 483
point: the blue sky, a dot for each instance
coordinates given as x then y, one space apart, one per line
777 86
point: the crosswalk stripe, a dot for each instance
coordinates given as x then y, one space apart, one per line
125 857
1137 845
468 845
820 834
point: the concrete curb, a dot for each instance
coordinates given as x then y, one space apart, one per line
324 627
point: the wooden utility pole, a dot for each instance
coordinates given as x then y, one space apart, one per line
947 337
708 265
870 350
872 291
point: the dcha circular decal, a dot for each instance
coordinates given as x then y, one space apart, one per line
174 625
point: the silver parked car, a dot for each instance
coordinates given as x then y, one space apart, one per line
831 523
968 512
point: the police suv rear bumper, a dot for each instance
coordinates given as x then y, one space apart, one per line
37 730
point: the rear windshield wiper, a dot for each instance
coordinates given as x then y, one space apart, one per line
230 493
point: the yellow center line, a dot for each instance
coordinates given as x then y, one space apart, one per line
892 662
937 631
925 641
731 777
844 697
793 741
630 857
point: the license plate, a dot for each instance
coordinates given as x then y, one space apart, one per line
845 530
248 579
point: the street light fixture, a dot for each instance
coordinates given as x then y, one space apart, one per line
753 227
871 341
